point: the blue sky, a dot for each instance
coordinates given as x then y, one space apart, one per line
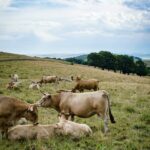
75 26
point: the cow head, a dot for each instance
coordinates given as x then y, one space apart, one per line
31 114
45 101
78 78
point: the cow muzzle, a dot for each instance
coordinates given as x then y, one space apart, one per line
37 104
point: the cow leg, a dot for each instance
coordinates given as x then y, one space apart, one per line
105 124
4 133
72 117
105 118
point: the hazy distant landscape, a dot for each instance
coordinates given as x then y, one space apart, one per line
63 55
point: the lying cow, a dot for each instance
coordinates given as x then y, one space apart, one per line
12 109
89 84
80 104
13 85
34 85
29 132
49 79
73 129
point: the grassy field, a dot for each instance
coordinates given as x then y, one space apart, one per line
130 98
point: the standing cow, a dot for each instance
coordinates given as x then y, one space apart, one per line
12 109
89 84
80 104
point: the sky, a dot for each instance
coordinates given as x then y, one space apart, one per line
75 26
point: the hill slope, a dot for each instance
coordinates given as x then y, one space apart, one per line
129 99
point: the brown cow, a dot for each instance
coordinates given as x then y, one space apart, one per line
80 104
89 84
49 79
12 109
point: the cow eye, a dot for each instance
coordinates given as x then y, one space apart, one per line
49 96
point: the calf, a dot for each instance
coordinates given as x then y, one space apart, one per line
75 130
12 109
89 84
80 104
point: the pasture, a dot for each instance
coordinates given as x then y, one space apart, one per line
129 95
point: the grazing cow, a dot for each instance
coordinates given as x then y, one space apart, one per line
29 132
89 84
34 86
12 109
80 104
49 79
14 77
75 130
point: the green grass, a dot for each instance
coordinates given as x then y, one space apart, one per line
129 97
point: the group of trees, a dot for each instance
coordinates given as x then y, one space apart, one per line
106 60
123 63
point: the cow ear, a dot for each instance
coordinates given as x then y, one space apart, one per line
32 108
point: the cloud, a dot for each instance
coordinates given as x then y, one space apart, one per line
59 20
4 3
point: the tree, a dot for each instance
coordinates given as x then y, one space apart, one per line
125 64
93 59
107 60
141 69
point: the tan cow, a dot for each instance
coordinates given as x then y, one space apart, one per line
89 84
49 79
29 132
73 129
12 109
80 104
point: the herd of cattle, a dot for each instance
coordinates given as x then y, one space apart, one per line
67 103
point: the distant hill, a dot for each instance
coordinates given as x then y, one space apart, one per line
82 57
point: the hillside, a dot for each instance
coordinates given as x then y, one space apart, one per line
4 55
129 97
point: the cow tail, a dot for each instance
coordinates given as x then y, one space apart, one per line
110 113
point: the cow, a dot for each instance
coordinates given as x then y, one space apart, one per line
30 132
49 79
73 129
34 85
14 77
12 110
13 85
89 84
79 104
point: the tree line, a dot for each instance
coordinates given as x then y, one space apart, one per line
106 60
